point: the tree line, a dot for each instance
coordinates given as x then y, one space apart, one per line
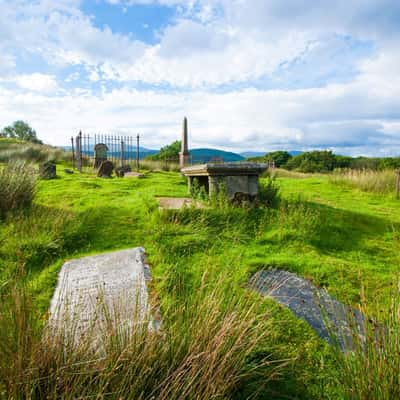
326 161
20 130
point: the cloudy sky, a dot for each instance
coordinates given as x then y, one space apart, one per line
249 74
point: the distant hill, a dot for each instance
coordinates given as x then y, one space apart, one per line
206 155
247 154
143 151
250 154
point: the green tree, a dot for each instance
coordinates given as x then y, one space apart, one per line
20 130
313 161
170 151
279 157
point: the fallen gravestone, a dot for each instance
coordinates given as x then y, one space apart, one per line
331 319
48 170
93 290
106 169
68 171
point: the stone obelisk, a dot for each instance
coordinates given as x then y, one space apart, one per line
184 154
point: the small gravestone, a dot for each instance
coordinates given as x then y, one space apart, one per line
106 169
68 171
48 170
94 291
121 171
100 154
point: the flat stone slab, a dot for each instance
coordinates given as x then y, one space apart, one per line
176 203
132 174
326 315
92 291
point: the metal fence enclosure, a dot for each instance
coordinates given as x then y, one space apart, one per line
91 150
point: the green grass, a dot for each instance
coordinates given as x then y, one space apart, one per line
339 237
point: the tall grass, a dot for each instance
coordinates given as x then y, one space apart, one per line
367 180
371 369
17 187
152 165
30 152
202 351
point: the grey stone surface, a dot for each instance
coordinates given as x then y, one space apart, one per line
100 154
106 169
48 170
94 290
331 319
237 178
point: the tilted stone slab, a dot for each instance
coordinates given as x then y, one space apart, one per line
94 291
331 319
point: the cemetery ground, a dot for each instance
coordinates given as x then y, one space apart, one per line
201 260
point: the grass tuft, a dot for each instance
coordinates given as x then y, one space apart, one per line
17 187
383 182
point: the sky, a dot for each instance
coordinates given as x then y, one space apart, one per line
258 75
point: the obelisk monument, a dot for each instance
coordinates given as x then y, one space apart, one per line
184 154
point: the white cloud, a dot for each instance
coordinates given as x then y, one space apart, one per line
344 117
208 44
37 82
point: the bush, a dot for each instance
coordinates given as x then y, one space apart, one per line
269 191
17 187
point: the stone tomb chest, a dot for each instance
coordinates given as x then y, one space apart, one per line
240 180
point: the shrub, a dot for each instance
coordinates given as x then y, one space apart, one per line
269 191
17 187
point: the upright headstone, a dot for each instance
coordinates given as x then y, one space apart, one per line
48 170
106 169
184 154
100 154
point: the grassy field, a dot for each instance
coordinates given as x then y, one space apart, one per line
337 236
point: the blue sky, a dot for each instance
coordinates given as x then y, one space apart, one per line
249 74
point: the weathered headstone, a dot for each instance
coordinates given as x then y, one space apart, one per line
106 169
48 170
94 290
100 154
68 171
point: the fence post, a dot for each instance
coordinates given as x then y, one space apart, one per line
122 153
73 152
79 151
397 183
137 152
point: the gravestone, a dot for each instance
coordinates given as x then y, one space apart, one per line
48 170
331 319
100 154
92 291
106 169
121 171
